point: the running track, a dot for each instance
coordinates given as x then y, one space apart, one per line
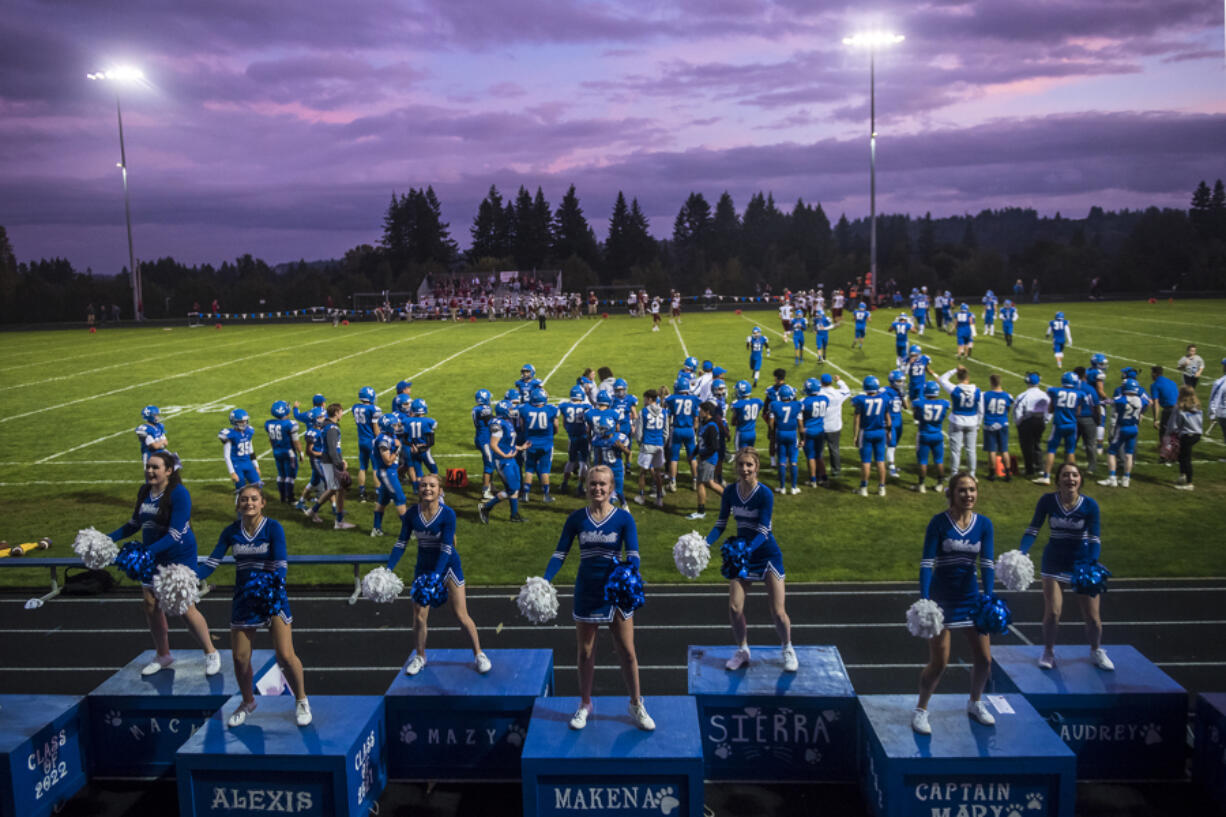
72 645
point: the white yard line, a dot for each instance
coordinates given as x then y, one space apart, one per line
681 340
574 346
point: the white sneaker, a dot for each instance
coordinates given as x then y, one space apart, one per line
157 665
1047 661
212 663
940 487
340 524
487 495
880 490
919 722
641 719
979 711
376 532
696 515
862 491
482 663
672 486
1187 486
1110 482
239 716
795 490
739 659
1124 482
639 500
579 719
1044 481
921 488
302 712
1101 660
416 664
790 662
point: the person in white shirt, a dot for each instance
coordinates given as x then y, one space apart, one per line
1030 416
836 392
702 383
1217 404
1191 366
785 316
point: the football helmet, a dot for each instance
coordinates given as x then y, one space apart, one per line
577 393
932 389
682 386
418 408
387 424
538 397
1068 380
366 394
786 392
915 349
871 384
483 396
150 413
280 409
813 385
619 387
743 389
603 398
239 418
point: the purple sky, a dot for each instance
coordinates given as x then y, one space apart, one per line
281 128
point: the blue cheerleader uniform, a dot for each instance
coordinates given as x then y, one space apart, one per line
1074 535
436 551
600 543
947 568
753 524
170 544
263 550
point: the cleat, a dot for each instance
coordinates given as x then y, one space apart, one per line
1125 482
1047 661
919 722
1110 482
212 663
302 712
341 524
516 518
547 498
739 659
696 515
1041 480
639 500
158 664
483 514
579 719
376 531
880 490
641 719
978 710
482 663
1187 486
314 517
795 490
862 491
239 716
301 506
1101 660
416 664
921 488
790 661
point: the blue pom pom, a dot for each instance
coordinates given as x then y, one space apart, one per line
992 615
735 552
262 595
1089 578
429 590
624 589
136 562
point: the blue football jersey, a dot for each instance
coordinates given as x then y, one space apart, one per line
574 418
996 409
813 409
930 414
281 434
241 445
745 413
1064 405
682 409
364 417
871 409
539 423
149 433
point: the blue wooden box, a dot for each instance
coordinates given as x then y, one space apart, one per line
333 768
1209 753
41 752
136 722
761 723
1017 767
1127 724
612 767
450 723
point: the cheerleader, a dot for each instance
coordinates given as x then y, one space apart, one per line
954 542
433 523
259 546
752 504
163 516
1074 523
603 531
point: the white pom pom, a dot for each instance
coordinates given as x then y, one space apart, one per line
382 586
692 554
538 600
925 619
95 548
1015 570
176 588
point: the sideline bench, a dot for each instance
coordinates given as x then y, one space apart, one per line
55 563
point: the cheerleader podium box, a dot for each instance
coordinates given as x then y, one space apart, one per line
1209 754
335 767
612 767
1017 768
450 723
42 759
136 722
1127 724
761 723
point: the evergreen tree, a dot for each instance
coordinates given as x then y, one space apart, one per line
969 241
1200 214
842 235
643 248
8 278
490 231
725 231
572 235
531 239
927 240
1217 211
618 250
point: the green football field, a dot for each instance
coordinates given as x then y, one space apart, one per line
70 402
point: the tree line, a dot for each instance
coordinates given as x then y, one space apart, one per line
734 252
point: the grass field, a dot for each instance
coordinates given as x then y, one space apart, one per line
69 402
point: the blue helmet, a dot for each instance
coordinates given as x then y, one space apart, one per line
690 364
512 395
682 386
1032 378
915 349
538 397
619 387
238 417
529 370
483 396
1131 386
757 330
1059 316
786 392
871 384
813 385
719 387
964 308
1068 380
895 376
387 423
1098 360
603 398
404 385
503 408
401 403
319 400
863 305
604 425
150 413
317 416
280 409
743 389
418 408
932 389
577 393
366 394
1127 372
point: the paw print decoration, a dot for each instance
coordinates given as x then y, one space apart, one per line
515 735
407 735
1153 734
113 718
668 803
723 751
812 756
1034 801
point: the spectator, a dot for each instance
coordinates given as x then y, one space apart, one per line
1191 365
1165 393
1186 423
1217 402
1030 415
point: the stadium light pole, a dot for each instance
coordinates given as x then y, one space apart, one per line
119 76
872 41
